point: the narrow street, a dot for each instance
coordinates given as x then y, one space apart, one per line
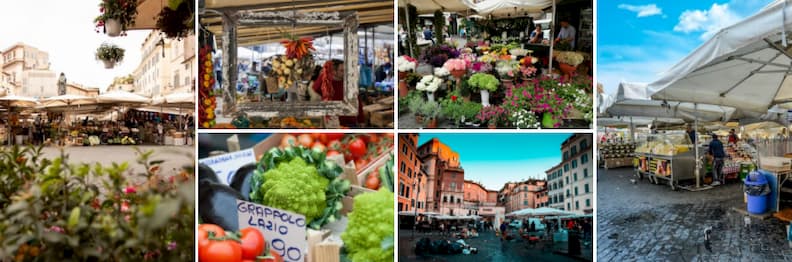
650 222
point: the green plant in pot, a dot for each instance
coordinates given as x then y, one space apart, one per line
430 111
414 104
116 16
110 54
485 83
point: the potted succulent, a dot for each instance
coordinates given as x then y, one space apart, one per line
110 54
485 83
568 61
116 16
429 84
406 64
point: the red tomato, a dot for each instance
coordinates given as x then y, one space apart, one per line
372 181
335 145
252 243
357 148
360 163
216 250
371 138
323 138
288 140
305 140
334 136
316 136
318 146
203 233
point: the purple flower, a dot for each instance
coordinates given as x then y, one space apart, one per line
171 246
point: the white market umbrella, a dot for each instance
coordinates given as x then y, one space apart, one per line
14 101
746 65
122 97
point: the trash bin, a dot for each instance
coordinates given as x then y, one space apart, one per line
756 189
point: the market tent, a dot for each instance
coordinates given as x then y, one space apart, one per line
638 121
184 100
122 98
490 6
67 100
632 99
542 211
18 101
369 13
745 65
425 7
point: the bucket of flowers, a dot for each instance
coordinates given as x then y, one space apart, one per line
485 83
429 84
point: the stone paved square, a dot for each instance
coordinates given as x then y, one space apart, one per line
647 222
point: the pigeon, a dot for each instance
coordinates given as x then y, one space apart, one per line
747 221
708 233
633 181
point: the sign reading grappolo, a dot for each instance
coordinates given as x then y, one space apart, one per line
284 231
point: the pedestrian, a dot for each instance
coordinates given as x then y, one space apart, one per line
716 151
442 229
160 137
503 230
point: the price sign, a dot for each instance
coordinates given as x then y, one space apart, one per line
226 165
283 230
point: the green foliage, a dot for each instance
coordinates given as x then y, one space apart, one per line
470 110
430 110
81 212
414 101
484 81
122 10
110 52
369 235
439 23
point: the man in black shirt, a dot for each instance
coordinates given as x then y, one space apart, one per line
717 152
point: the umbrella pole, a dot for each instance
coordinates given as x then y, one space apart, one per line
696 146
552 40
632 131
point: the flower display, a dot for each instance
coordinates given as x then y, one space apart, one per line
441 72
455 64
528 71
483 81
405 63
507 69
524 118
518 52
481 67
492 115
569 57
429 83
438 55
488 58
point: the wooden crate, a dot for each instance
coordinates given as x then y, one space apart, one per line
382 118
380 114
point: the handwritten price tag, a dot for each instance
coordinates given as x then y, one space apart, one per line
226 165
283 230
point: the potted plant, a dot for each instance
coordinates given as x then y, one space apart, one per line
485 83
414 104
110 54
176 20
116 16
430 110
507 70
524 118
429 84
492 116
553 107
469 112
406 64
568 61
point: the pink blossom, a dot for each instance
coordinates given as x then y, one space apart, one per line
124 206
130 190
56 229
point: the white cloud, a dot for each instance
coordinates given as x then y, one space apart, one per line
707 21
65 30
642 10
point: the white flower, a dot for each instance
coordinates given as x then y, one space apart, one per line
441 72
404 64
429 83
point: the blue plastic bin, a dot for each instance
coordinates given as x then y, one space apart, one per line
757 204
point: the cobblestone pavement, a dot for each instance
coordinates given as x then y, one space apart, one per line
490 249
650 222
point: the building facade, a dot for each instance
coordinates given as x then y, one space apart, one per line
409 174
481 201
166 66
444 178
572 181
26 71
531 193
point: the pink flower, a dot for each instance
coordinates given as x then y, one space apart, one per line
124 206
453 98
130 190
56 229
171 245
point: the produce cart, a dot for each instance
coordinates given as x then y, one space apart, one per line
617 154
666 158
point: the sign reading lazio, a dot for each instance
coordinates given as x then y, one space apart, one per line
226 165
284 231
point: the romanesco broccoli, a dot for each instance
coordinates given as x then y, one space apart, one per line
295 186
370 222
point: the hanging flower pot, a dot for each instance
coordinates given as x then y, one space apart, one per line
112 27
108 64
484 97
548 121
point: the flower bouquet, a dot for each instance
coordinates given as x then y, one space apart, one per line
518 52
456 66
481 67
508 70
485 83
438 55
429 84
568 62
441 72
405 64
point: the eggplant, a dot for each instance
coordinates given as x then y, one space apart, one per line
217 205
205 173
242 179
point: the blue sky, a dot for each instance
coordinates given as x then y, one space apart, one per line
638 40
494 159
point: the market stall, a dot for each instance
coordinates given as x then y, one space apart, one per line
288 74
337 189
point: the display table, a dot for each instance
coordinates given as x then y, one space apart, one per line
776 179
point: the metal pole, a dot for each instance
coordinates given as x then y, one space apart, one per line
409 32
696 146
229 62
415 208
552 40
632 131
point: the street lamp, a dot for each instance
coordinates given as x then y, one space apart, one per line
416 183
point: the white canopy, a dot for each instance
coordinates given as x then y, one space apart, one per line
122 97
632 100
637 120
177 100
744 65
424 6
542 211
19 101
64 100
489 6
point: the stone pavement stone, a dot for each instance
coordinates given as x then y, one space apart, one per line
650 222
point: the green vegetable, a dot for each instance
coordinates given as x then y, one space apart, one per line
370 225
295 186
386 174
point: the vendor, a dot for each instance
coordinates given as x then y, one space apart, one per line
567 34
692 134
733 137
716 151
330 84
536 35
